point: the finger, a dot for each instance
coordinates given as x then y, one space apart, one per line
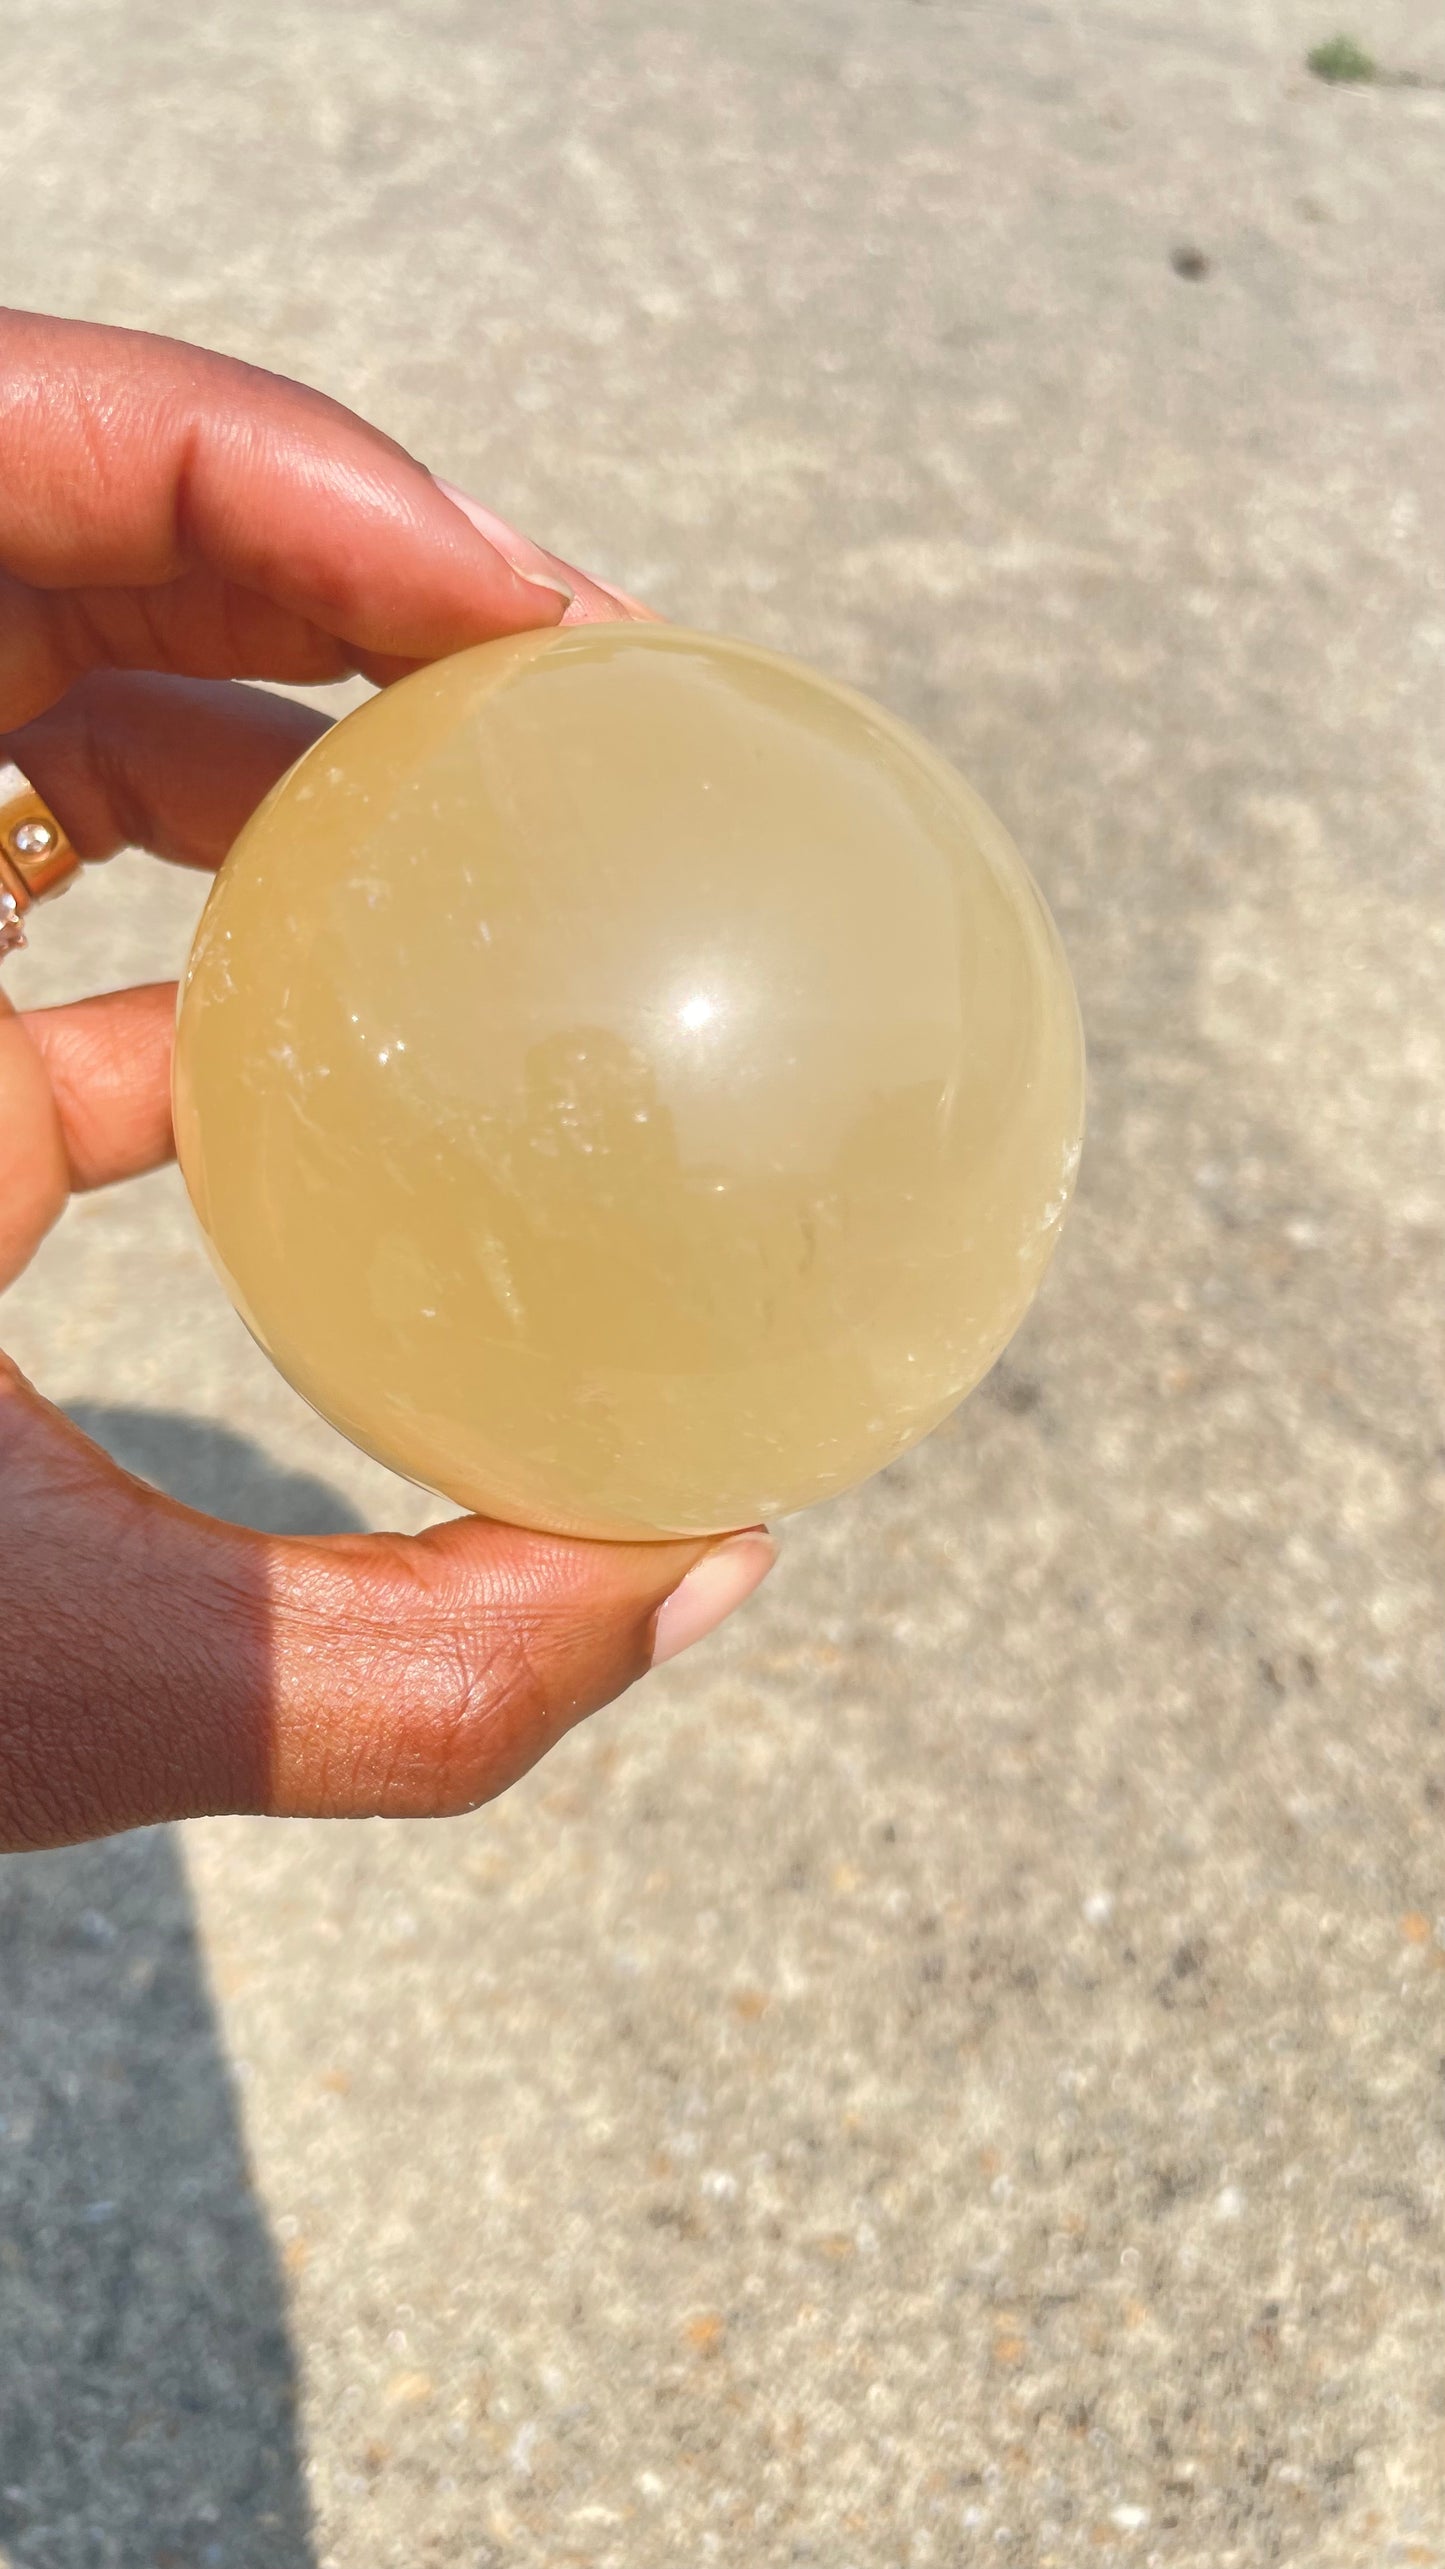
163 507
175 765
108 1063
592 602
418 1677
34 1171
84 1099
157 1664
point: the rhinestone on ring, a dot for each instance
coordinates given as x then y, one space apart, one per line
36 858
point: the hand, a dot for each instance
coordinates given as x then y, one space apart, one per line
171 522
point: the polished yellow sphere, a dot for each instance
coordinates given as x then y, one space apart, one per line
629 1084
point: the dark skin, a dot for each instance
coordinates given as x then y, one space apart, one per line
172 522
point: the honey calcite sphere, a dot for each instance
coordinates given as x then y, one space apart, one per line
629 1084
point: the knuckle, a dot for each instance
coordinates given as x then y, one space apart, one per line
423 1679
492 1711
485 1704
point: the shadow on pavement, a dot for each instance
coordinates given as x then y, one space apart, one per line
147 2389
214 1469
147 2385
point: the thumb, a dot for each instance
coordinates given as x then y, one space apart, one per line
157 1664
412 1676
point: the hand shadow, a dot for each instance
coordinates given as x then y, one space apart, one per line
147 2385
210 1467
147 2390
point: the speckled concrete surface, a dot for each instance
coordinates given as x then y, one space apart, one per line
955 2073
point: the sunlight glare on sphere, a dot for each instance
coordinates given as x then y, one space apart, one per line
629 1084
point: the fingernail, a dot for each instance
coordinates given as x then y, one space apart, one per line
518 551
714 1588
562 589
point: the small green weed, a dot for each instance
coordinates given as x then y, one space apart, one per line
1342 59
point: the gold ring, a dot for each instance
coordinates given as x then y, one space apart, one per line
36 858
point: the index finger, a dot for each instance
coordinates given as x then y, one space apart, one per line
247 510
